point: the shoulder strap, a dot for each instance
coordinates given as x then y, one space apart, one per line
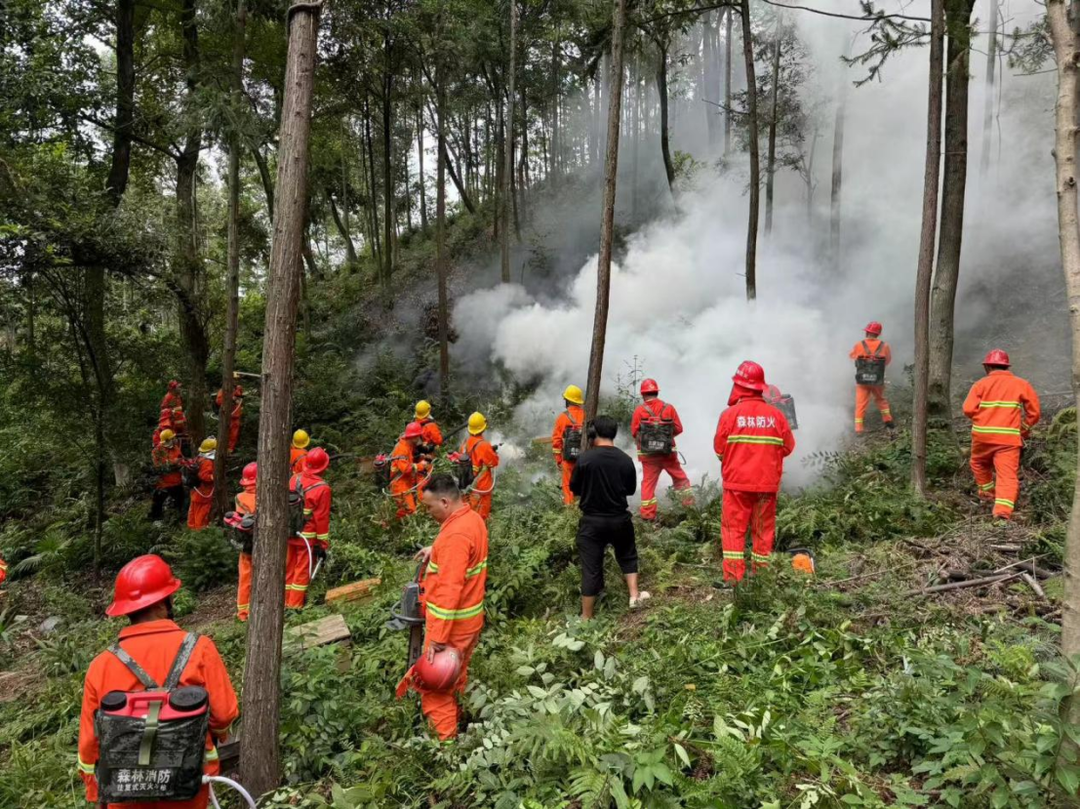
183 655
567 412
866 349
140 673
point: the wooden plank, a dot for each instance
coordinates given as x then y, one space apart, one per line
354 591
330 629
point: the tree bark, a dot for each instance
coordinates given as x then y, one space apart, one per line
770 161
267 181
232 281
953 191
373 191
117 181
835 209
420 166
635 139
665 142
710 78
259 753
350 250
607 219
1064 26
556 139
925 273
755 167
440 226
988 102
508 149
388 182
729 13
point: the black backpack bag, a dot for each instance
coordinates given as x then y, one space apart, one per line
870 370
571 440
656 435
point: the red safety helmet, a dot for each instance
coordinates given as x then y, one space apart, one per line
174 384
773 394
442 673
750 376
649 386
142 582
250 474
316 461
414 429
997 357
873 327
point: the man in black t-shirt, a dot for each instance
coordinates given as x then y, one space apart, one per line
603 478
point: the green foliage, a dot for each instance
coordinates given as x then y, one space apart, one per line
203 559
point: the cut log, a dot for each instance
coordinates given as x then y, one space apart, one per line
330 629
354 591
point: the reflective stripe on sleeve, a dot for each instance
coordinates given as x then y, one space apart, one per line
86 768
476 571
455 615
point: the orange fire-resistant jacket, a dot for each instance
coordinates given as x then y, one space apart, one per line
167 461
872 344
1002 408
154 645
316 507
205 489
296 459
245 501
484 459
403 472
457 577
654 409
572 416
752 440
430 433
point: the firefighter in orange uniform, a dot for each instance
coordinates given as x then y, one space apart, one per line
1003 408
653 410
237 412
298 451
752 439
172 412
407 469
311 545
168 462
871 348
431 434
572 418
144 590
484 459
245 504
454 589
202 495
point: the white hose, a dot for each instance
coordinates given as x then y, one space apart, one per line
310 559
494 473
218 779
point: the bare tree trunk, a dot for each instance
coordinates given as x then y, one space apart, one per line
556 138
267 182
388 182
710 78
232 281
770 161
508 149
837 176
755 167
728 45
500 164
351 259
607 220
373 195
925 273
953 192
259 753
420 164
1064 25
635 138
440 226
988 102
665 142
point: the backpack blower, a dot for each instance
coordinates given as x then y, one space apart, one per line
409 614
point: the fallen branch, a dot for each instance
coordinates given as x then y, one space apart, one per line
1030 566
959 585
1034 585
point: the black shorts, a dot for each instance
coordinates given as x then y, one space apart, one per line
593 536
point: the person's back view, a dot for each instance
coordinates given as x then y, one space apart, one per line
603 477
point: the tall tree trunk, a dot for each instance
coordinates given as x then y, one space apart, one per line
500 165
988 102
607 218
635 130
953 191
259 753
373 191
728 46
508 149
837 176
440 226
1064 25
662 92
420 166
710 79
267 182
351 259
188 285
119 169
755 167
388 182
232 281
925 273
770 161
556 138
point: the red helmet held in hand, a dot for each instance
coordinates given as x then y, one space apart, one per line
997 357
750 376
442 673
873 327
414 429
649 386
316 461
142 582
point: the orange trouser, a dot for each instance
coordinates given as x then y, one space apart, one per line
297 572
567 468
234 434
996 468
200 801
441 707
198 516
753 511
405 500
651 467
862 401
243 588
480 503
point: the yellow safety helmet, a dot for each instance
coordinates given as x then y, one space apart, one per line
573 394
423 409
477 424
166 436
300 439
208 445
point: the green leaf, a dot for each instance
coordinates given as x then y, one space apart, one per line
680 751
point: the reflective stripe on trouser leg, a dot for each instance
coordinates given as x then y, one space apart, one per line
1007 489
650 476
882 403
296 576
862 400
734 521
763 529
982 467
441 707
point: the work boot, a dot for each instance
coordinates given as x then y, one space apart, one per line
889 425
